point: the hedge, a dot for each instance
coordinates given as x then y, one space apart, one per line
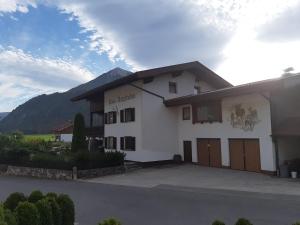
27 214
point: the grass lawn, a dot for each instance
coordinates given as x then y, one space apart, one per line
45 137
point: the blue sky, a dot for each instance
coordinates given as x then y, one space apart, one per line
49 46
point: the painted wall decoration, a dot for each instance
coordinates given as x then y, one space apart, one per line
244 118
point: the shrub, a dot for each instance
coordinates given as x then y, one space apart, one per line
218 222
78 141
51 195
243 221
35 196
89 160
67 209
10 218
297 223
2 216
45 212
27 214
56 213
110 221
13 200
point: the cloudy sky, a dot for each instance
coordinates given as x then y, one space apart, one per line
53 45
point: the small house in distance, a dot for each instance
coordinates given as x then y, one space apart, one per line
64 132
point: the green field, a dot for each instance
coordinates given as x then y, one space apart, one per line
45 137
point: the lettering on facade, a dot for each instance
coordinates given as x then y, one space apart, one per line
243 118
121 99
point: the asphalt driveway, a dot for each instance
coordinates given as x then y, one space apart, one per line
167 205
195 176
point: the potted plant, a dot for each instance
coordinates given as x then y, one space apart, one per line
293 167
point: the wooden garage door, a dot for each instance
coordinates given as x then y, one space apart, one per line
252 155
236 149
209 152
244 154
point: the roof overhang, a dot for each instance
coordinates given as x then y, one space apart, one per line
256 87
195 67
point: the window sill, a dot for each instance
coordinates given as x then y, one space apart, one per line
208 121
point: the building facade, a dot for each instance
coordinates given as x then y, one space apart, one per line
189 110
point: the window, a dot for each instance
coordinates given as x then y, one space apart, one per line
127 115
110 117
186 113
173 87
207 112
127 143
197 89
110 142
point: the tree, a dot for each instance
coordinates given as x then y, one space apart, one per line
78 140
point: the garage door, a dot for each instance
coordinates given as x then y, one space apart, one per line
209 152
244 154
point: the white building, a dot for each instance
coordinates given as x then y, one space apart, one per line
189 110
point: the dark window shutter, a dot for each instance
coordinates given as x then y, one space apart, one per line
133 143
132 111
114 117
122 143
122 116
105 118
105 142
114 143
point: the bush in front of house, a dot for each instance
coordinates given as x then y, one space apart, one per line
10 218
67 209
218 222
243 221
110 221
49 209
13 200
27 214
35 196
45 212
56 213
2 216
79 142
51 195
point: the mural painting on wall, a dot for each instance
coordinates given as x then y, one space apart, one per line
243 118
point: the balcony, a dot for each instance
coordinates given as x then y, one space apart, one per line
96 131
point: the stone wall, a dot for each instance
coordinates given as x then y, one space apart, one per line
40 172
100 172
59 174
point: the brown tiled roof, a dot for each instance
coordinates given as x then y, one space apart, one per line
66 128
196 67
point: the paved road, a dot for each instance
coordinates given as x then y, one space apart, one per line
163 205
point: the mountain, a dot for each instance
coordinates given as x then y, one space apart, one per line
43 113
3 114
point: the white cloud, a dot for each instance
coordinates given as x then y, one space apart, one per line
147 34
11 6
154 33
23 76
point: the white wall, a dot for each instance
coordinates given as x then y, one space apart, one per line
124 129
185 85
66 137
224 130
155 126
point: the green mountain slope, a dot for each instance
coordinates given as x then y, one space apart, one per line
45 112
